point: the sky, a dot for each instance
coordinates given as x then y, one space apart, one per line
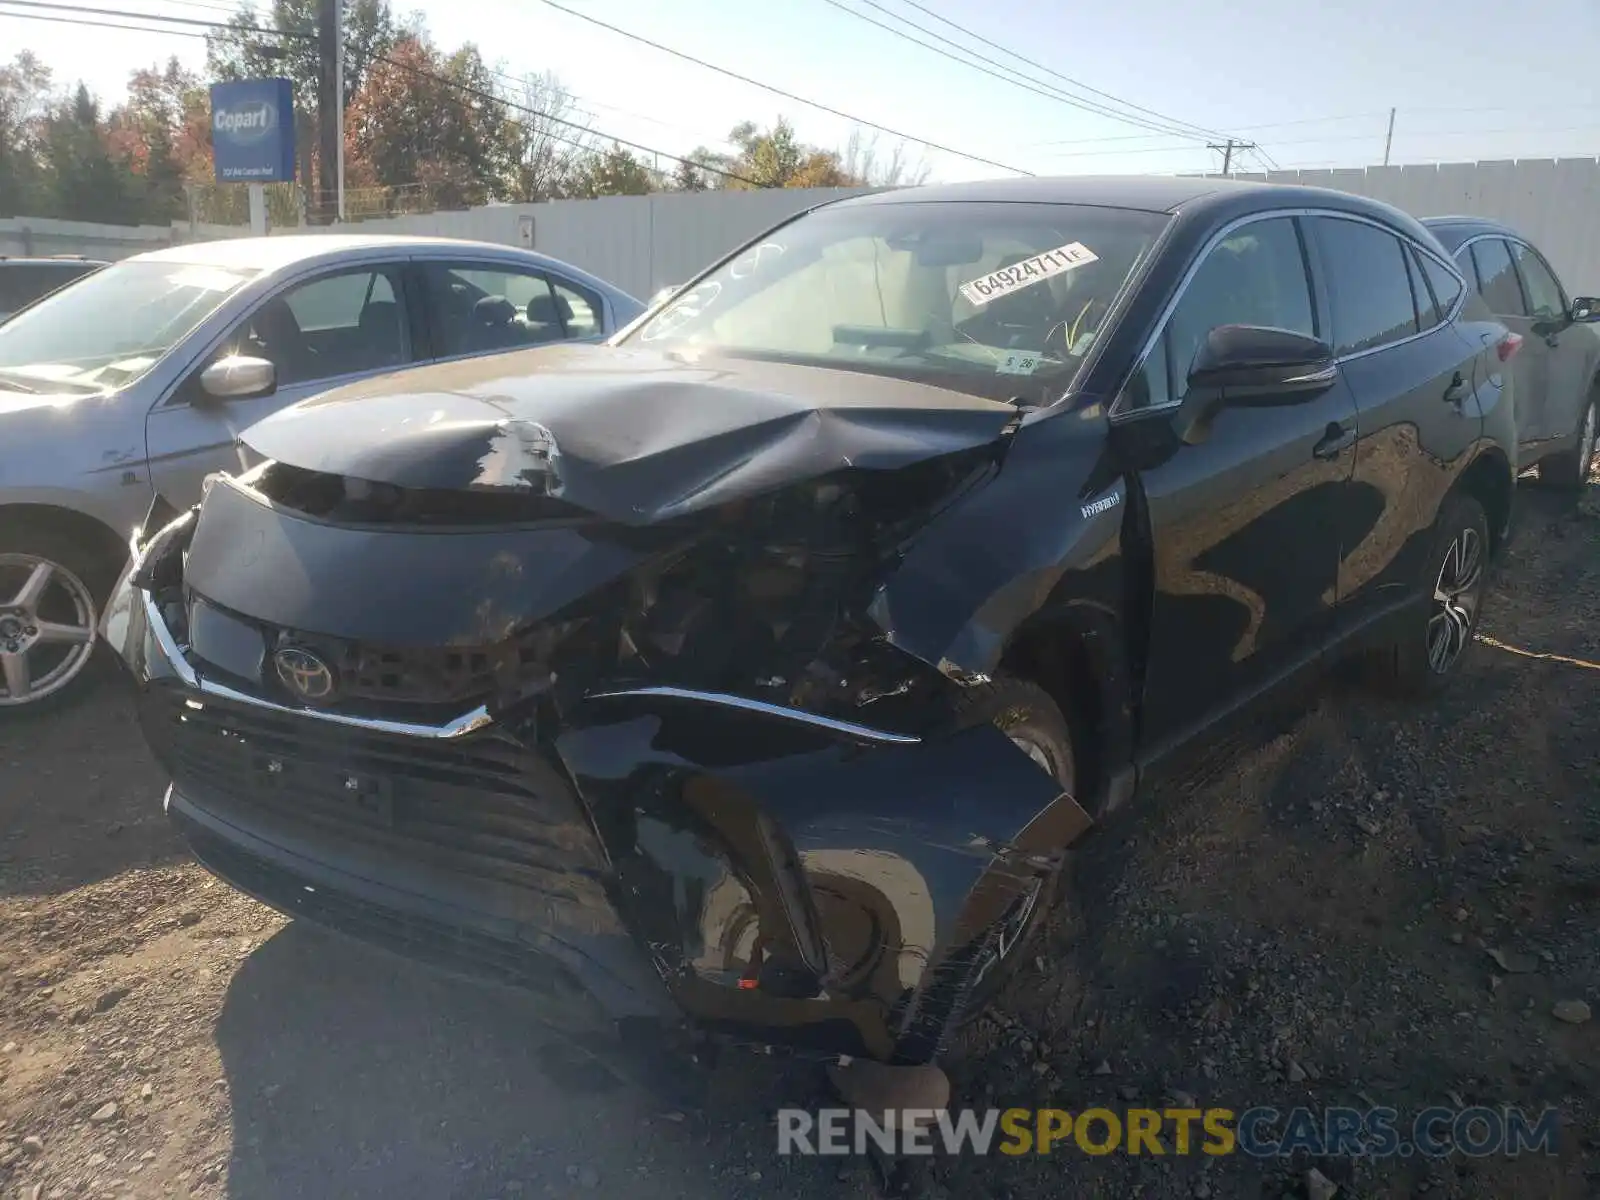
1311 82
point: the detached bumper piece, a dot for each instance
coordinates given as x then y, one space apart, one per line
655 853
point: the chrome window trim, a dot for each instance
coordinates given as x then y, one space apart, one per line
1513 239
745 704
1119 411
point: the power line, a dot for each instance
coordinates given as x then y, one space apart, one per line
122 12
767 87
1016 79
218 26
20 16
978 37
492 97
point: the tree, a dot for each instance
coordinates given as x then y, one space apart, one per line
426 118
24 97
617 172
860 160
83 181
163 133
549 150
772 158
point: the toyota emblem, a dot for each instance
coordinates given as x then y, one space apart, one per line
303 673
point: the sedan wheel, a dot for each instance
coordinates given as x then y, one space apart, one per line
47 629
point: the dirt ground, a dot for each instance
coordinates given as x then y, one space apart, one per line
1318 926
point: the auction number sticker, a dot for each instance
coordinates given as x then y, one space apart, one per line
1028 272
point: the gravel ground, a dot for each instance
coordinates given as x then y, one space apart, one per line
1383 903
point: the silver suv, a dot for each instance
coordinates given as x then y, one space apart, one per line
137 380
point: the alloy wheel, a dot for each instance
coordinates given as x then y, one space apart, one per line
1455 600
1586 442
47 628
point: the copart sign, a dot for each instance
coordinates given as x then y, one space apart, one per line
252 131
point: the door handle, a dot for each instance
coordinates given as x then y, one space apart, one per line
1456 393
1335 439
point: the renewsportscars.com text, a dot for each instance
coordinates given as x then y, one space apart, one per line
1257 1132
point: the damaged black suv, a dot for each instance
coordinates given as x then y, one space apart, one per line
754 672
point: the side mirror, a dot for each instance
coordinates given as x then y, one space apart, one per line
1585 310
239 377
1252 366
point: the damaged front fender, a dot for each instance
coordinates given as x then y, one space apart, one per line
794 886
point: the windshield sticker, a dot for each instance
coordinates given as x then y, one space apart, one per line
1027 272
1018 362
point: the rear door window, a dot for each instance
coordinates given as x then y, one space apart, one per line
1446 287
1497 278
487 308
1428 314
1369 284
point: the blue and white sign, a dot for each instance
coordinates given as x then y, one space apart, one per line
252 131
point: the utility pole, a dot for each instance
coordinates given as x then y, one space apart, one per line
1227 148
1388 138
328 105
338 91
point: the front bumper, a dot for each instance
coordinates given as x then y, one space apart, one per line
771 875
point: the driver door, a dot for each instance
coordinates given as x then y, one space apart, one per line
334 328
1245 522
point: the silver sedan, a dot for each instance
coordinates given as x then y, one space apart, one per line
137 381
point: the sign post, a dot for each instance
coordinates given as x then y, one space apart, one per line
252 138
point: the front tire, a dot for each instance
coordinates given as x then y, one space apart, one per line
1430 650
1570 471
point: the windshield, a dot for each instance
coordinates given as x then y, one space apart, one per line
1004 300
109 328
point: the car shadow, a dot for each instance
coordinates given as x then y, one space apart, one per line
80 796
354 1073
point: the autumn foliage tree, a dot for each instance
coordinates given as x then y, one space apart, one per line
429 118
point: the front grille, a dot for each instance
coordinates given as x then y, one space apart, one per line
483 809
420 674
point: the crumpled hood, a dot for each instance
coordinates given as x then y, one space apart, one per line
634 436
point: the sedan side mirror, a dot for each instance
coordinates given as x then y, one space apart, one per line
239 377
1252 366
1585 310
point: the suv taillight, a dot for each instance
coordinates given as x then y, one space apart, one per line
1509 345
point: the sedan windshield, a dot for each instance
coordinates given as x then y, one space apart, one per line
1000 299
109 328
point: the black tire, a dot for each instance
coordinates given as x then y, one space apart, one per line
1025 712
1457 566
79 571
1569 471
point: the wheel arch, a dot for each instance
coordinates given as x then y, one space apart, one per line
1490 480
97 538
1073 651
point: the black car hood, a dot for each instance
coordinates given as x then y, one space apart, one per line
633 436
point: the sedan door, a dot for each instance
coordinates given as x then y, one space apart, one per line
335 327
1245 522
